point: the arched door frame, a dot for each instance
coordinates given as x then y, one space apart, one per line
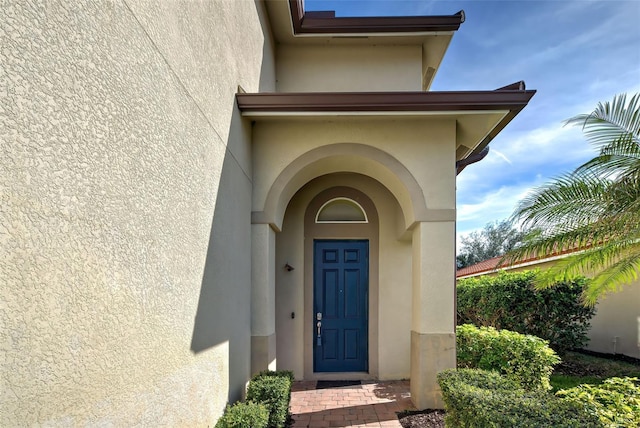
368 231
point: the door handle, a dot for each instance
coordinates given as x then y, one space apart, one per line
319 334
319 326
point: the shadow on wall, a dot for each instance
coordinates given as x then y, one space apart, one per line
224 305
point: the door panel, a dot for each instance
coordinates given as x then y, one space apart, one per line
341 295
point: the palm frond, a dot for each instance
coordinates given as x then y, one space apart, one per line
602 236
620 157
608 265
611 279
593 211
571 201
611 121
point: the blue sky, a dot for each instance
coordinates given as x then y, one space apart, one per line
575 53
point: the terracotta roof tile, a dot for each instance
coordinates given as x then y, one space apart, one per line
491 265
484 266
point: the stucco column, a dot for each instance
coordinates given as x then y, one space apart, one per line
263 298
433 344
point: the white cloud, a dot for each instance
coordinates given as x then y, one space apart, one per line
496 205
545 143
518 157
502 156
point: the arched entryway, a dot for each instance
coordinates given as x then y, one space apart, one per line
410 318
296 292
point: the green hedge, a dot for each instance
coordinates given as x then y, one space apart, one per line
525 359
277 373
616 402
479 399
509 301
244 415
273 389
268 397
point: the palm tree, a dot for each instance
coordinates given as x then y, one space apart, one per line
593 212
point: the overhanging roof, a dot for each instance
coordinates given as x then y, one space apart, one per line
291 24
480 115
345 102
326 22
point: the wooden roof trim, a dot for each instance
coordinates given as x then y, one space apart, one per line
327 23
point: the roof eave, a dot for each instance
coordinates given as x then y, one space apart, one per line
322 23
444 101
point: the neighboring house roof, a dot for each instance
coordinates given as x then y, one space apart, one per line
485 266
492 265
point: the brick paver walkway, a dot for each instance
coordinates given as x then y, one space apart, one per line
372 404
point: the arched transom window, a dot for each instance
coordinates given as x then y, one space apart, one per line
341 210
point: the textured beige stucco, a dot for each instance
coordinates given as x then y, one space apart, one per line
263 280
349 68
124 297
433 315
616 326
425 147
430 354
290 289
433 277
263 297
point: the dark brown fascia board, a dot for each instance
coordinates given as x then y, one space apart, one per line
328 23
345 102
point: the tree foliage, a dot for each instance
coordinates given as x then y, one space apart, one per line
616 402
483 399
594 211
509 301
525 359
494 240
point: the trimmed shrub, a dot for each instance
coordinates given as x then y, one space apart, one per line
477 398
244 415
277 373
525 359
510 301
274 391
616 402
286 374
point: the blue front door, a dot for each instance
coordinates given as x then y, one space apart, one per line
340 300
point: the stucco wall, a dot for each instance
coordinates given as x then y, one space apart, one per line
424 146
346 68
122 296
616 326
